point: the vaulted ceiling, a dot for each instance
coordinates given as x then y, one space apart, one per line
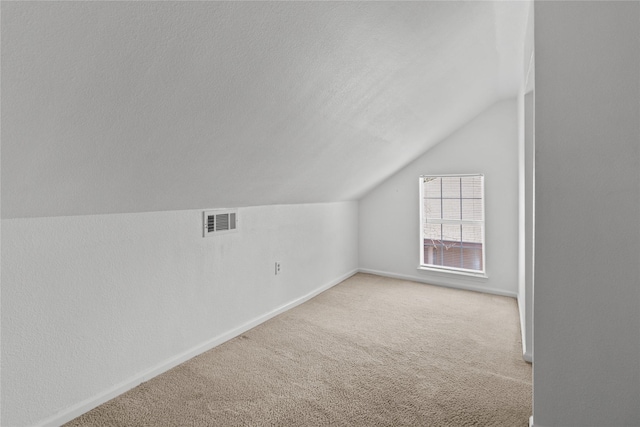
145 106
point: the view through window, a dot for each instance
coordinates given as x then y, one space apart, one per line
452 222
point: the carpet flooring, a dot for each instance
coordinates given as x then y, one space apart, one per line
370 351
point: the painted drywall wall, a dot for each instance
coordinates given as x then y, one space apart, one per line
92 305
389 224
587 243
116 107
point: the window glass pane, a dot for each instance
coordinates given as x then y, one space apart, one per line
451 256
432 232
451 234
451 208
472 209
433 254
430 252
432 187
471 186
451 187
472 257
432 208
472 233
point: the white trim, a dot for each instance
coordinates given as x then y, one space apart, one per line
454 175
437 282
456 221
86 405
523 338
526 351
529 83
531 421
458 271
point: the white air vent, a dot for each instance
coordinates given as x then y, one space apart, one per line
219 221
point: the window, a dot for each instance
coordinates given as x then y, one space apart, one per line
452 223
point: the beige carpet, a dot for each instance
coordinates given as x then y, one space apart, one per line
369 352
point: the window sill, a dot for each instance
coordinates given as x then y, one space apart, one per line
446 272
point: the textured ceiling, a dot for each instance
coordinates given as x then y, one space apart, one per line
145 106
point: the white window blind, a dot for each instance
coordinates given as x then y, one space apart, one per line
452 222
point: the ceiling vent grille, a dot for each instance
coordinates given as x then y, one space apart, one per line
220 221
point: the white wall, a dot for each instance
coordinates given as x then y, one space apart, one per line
587 247
389 224
92 305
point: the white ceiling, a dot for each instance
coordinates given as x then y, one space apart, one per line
145 106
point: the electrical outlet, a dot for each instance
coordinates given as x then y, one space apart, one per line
277 268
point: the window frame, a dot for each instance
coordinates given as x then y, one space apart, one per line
447 269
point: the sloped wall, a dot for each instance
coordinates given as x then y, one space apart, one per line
93 305
134 106
389 215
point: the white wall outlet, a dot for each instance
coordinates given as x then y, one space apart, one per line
277 268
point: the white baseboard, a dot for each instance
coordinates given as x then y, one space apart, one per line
75 411
531 421
435 281
526 352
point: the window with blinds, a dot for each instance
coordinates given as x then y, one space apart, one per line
452 222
